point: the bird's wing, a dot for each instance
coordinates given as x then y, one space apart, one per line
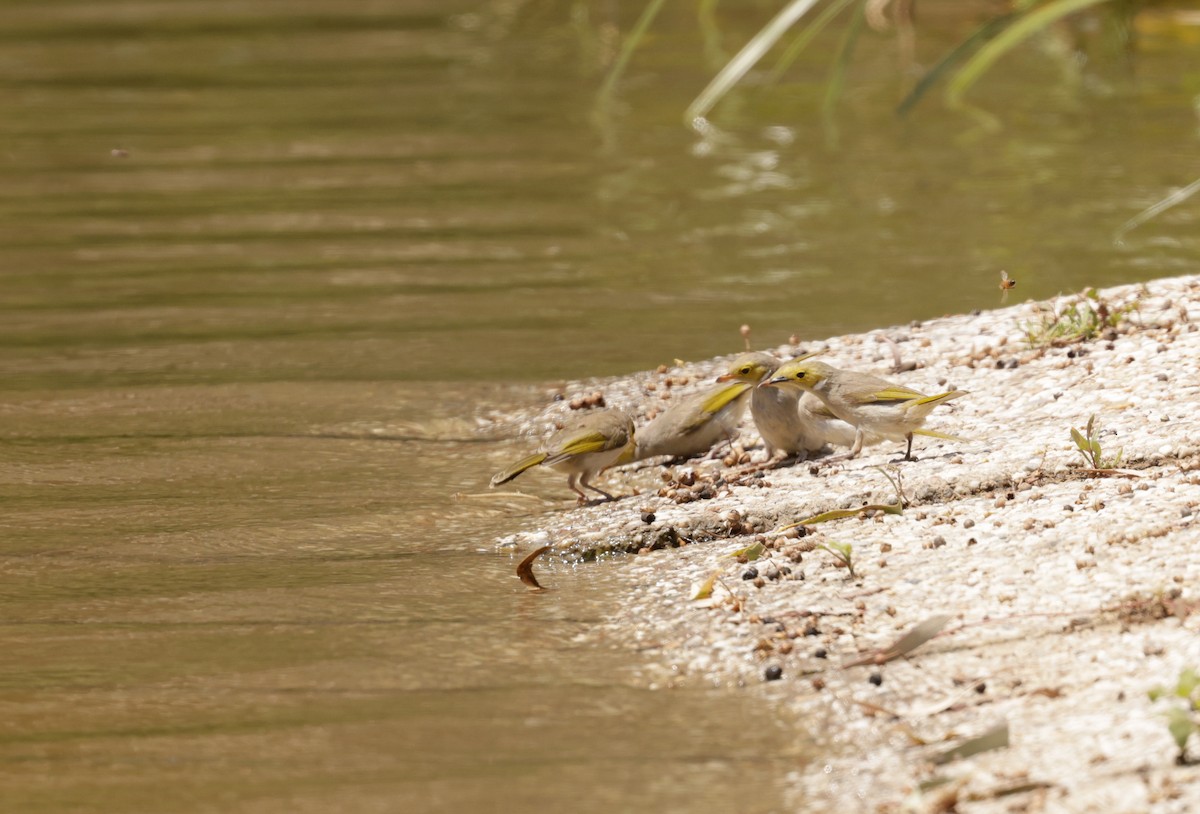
714 403
817 407
584 443
891 394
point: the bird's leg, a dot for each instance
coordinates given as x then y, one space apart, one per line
908 452
583 480
854 449
572 479
859 435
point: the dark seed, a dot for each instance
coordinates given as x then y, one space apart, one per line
750 573
648 517
773 673
876 678
820 653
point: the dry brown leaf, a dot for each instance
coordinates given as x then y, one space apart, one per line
525 569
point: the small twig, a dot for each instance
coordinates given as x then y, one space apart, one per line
897 362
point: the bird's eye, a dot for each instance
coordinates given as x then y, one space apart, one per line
745 371
800 375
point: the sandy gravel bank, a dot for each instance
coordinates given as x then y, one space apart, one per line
1070 593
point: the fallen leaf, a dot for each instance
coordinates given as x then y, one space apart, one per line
1049 692
905 644
994 738
751 552
525 569
703 590
840 514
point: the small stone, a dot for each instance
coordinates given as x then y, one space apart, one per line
876 678
750 573
773 673
648 517
968 523
820 653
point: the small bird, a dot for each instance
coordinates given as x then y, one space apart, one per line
693 424
584 447
871 404
788 420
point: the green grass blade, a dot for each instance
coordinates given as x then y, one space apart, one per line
984 33
635 37
746 59
837 77
1029 24
805 37
1175 198
1077 437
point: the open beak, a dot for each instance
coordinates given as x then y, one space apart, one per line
770 382
725 377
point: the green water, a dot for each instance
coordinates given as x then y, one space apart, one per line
263 264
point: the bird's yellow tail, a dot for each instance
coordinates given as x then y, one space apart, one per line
508 473
940 397
943 435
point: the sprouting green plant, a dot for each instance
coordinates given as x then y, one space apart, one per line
1183 716
1088 444
843 553
1084 318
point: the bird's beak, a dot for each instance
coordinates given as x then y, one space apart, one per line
770 382
725 377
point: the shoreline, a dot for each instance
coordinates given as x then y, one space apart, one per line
1070 592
